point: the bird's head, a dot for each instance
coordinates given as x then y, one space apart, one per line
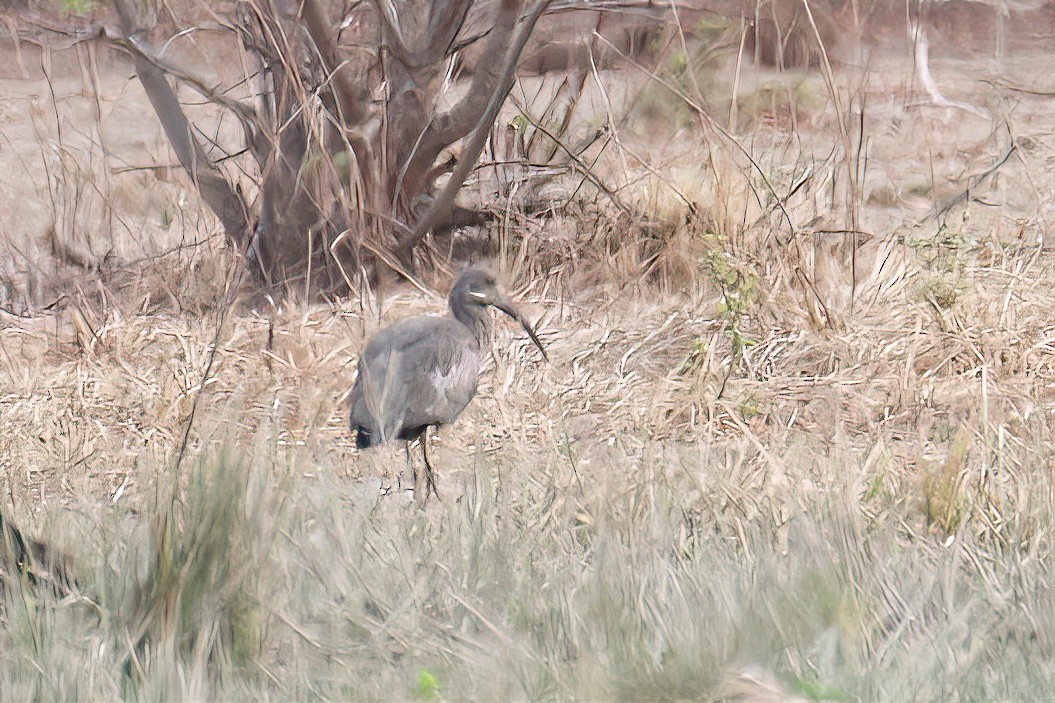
477 288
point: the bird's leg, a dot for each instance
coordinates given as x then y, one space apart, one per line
411 469
421 491
430 475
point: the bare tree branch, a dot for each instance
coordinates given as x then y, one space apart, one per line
354 99
469 41
443 203
446 18
443 130
133 46
393 34
456 122
218 194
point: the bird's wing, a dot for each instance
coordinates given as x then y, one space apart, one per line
417 372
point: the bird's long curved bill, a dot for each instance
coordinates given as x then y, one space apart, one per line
508 308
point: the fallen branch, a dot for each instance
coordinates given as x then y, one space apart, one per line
1017 88
922 56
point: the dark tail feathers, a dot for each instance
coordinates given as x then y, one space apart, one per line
363 440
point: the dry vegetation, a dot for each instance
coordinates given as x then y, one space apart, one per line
794 442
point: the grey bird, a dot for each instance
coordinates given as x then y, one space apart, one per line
423 371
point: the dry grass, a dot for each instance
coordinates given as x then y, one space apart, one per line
674 571
765 463
862 514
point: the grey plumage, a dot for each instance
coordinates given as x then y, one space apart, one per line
423 371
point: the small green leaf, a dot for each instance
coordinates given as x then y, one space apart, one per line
428 686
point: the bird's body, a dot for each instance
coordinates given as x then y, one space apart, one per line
438 360
423 371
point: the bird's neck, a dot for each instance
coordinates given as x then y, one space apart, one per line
476 317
